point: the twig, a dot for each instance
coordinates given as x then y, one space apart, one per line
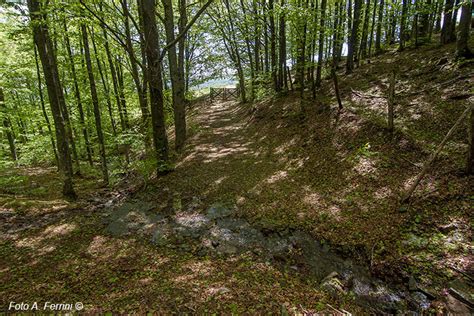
462 272
412 188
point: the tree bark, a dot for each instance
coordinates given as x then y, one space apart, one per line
95 103
155 80
273 56
462 47
104 84
446 34
354 38
322 20
177 82
43 108
77 94
403 25
365 32
53 84
7 128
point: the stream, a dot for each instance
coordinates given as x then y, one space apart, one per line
217 230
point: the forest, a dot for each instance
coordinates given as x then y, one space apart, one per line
303 157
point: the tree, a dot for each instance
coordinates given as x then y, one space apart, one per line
354 37
447 36
462 47
155 79
55 93
95 103
177 78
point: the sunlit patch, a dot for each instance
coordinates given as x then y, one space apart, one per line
314 199
283 148
102 247
277 176
146 281
365 165
383 193
217 290
219 181
193 220
50 232
194 271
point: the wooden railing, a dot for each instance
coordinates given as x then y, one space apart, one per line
223 94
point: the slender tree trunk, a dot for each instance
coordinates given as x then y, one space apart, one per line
257 37
50 69
273 49
142 97
176 82
371 41
439 12
354 39
43 108
322 20
77 94
454 20
121 92
113 74
365 32
104 84
249 52
403 25
282 50
95 103
7 128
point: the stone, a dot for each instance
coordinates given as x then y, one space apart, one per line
159 237
412 285
226 249
333 285
219 210
117 228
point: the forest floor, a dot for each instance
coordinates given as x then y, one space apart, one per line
281 165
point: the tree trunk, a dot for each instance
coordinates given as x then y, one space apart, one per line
446 34
142 97
7 127
95 103
371 42
113 73
43 108
282 53
354 38
322 20
104 84
403 25
155 80
177 82
77 94
439 12
50 69
462 48
365 32
273 56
